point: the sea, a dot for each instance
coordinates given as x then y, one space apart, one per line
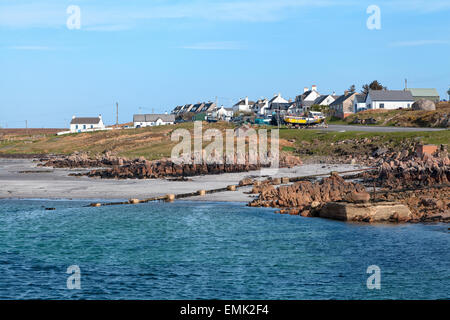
212 250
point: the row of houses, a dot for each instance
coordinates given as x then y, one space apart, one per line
350 103
339 105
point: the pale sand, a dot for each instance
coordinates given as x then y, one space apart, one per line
57 184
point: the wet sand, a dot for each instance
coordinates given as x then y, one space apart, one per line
23 179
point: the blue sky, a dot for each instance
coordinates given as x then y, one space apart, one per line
155 55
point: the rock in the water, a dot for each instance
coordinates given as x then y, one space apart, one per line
367 212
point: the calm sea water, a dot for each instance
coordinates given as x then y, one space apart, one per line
186 250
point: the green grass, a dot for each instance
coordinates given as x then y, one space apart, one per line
155 143
314 142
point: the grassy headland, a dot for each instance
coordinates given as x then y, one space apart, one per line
155 142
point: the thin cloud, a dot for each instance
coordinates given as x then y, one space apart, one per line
220 45
418 43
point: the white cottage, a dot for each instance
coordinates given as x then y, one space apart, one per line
244 105
150 120
222 113
389 99
84 124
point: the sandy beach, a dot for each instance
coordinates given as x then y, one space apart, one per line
23 179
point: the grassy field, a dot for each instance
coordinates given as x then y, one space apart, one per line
314 142
155 142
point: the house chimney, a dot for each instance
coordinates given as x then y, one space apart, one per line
305 89
73 117
246 101
314 87
100 116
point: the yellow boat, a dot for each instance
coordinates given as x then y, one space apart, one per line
305 121
314 118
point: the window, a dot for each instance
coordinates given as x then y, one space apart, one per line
76 126
92 126
381 105
84 126
409 105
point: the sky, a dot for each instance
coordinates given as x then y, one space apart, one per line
150 56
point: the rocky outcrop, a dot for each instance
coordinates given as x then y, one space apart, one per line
122 168
306 195
83 160
366 212
407 171
426 204
422 104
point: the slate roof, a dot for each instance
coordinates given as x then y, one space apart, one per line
208 107
341 99
280 106
390 95
197 107
85 120
242 102
320 99
153 117
360 98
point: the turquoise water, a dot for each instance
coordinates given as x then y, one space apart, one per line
186 250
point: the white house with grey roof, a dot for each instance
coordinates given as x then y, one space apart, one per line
389 99
85 124
244 105
151 120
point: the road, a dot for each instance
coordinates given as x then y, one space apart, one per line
336 127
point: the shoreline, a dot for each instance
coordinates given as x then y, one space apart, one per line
53 183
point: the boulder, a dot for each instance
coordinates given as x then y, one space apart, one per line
425 105
367 212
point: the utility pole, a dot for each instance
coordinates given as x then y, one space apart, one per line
117 113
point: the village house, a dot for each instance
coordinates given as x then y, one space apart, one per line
177 110
325 100
150 120
304 101
208 107
425 93
244 105
260 107
197 107
360 102
84 124
281 108
222 113
343 106
389 99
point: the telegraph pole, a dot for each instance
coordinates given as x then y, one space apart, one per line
117 113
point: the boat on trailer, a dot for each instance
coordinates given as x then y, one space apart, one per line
312 119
